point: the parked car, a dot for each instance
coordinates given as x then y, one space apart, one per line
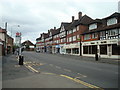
38 50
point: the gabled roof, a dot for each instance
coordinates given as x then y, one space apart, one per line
38 38
72 25
65 24
85 20
27 43
95 21
116 14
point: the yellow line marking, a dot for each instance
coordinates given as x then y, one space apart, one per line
34 70
30 68
82 82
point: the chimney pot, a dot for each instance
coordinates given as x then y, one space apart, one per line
54 28
72 18
79 15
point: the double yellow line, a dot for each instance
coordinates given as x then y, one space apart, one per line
83 83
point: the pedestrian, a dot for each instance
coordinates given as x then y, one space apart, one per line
13 50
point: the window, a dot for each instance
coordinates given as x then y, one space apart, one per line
87 36
68 50
115 49
75 50
70 39
113 32
111 21
93 26
74 30
70 31
74 38
77 28
103 49
85 49
94 35
78 36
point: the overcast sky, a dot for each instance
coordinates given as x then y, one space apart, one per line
37 16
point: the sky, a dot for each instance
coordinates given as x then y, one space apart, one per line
37 16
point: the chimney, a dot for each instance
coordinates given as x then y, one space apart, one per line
54 28
72 18
79 15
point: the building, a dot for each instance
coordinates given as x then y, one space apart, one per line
84 37
56 41
28 45
103 37
63 35
7 42
74 31
1 47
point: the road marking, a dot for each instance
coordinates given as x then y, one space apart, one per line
51 64
82 75
58 67
82 82
67 70
49 73
31 68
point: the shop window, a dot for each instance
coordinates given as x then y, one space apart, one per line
103 49
75 50
115 49
85 49
94 49
68 50
90 49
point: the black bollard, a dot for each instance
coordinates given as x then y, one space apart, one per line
96 57
21 60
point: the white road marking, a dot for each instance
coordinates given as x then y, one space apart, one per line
67 70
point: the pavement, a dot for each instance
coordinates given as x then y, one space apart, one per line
115 61
16 76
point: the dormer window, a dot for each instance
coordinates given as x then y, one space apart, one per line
111 21
93 26
50 34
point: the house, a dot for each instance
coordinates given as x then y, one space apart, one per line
1 47
7 42
62 35
28 45
74 31
56 41
102 37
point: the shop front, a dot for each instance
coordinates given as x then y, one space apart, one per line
72 49
104 48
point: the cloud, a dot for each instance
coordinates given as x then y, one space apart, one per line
37 16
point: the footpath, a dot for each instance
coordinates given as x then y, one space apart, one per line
16 76
115 61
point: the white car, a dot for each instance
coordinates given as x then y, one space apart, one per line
38 50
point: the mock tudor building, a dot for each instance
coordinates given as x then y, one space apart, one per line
75 29
85 37
56 41
62 35
103 37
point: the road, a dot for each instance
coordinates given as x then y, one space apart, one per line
99 74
